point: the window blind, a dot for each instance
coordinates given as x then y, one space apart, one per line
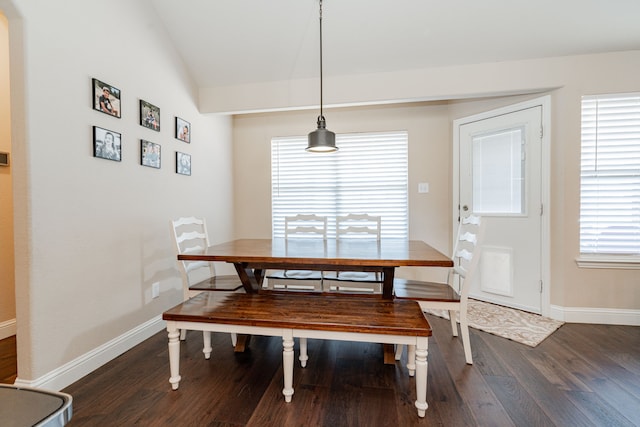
368 174
610 175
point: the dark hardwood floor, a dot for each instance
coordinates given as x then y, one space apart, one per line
583 375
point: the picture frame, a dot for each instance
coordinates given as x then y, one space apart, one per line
150 154
183 163
149 116
107 144
106 98
183 130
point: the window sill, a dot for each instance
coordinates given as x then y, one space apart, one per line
609 261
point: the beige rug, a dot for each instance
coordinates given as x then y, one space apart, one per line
516 325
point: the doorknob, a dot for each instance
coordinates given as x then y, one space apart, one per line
465 208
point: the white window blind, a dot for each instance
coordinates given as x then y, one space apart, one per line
368 174
610 175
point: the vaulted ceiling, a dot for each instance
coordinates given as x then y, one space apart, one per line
235 42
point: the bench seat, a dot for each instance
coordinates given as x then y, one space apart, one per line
305 316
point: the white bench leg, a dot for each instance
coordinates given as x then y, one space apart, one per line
174 354
303 352
207 349
421 376
411 359
287 364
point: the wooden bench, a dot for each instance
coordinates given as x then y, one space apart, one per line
305 316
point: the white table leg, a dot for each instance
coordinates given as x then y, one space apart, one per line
421 375
287 364
303 352
174 354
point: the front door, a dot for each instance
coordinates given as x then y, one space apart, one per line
500 160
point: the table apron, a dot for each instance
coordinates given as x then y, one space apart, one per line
315 267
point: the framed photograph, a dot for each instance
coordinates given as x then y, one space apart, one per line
149 154
183 130
106 98
149 116
106 144
183 163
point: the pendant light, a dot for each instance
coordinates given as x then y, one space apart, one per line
321 140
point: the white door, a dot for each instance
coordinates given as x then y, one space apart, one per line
500 180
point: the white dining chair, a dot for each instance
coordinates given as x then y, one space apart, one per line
453 295
355 226
190 236
308 226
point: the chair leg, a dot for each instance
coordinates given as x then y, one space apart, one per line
399 349
183 334
454 323
234 339
466 342
206 338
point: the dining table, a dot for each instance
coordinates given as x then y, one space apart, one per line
253 257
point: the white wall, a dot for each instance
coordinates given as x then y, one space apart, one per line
92 235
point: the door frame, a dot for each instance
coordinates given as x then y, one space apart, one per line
545 180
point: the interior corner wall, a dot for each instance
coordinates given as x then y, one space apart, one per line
93 235
7 286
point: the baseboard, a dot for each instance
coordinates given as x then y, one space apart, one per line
71 372
7 328
603 316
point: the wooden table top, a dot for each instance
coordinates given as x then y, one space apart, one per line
345 252
306 311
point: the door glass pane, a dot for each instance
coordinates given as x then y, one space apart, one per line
498 172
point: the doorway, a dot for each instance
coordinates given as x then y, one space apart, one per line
7 273
501 168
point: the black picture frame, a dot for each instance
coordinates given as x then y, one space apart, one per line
107 144
149 116
106 98
150 154
183 130
183 163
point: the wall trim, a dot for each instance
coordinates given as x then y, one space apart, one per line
602 316
72 371
7 328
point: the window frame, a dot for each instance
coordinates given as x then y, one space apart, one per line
603 142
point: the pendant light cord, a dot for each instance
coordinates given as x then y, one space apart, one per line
321 115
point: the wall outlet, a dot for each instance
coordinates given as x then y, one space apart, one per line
155 290
423 187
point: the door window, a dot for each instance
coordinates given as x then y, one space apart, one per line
499 172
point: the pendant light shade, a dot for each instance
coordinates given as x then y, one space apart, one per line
321 140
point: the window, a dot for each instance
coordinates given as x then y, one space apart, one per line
610 175
368 174
499 172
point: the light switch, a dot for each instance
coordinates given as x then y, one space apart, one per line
423 187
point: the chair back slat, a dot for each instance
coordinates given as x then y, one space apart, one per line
190 236
358 226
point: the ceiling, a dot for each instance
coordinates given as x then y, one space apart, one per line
235 42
